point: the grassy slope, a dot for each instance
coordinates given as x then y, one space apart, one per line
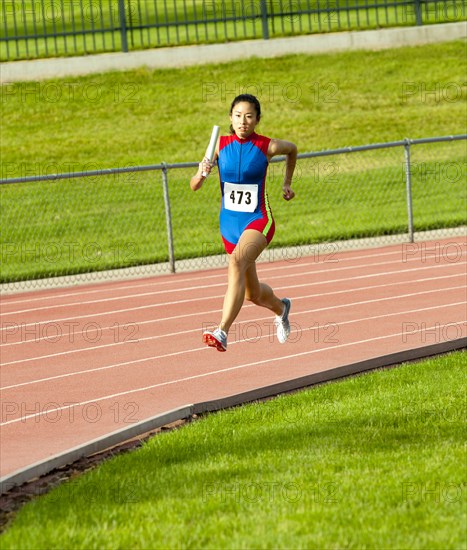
369 462
146 116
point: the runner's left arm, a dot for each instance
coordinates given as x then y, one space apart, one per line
289 149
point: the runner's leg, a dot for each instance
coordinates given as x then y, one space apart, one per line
261 294
241 261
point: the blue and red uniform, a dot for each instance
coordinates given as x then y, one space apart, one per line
243 164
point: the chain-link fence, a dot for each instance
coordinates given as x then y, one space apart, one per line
86 222
42 28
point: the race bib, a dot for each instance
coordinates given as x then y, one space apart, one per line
240 198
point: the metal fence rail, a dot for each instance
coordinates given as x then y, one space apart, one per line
83 222
42 28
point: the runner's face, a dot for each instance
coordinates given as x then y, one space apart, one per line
244 119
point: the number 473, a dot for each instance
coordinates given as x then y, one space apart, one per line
240 197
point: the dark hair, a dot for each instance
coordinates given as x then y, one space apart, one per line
248 98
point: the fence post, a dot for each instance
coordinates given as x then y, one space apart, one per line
168 217
122 18
264 19
408 184
418 12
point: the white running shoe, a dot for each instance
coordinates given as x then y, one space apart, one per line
215 339
282 322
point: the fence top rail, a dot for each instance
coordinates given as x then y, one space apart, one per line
356 149
88 173
164 166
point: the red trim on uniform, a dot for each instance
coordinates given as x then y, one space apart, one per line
263 143
224 141
260 225
229 247
257 225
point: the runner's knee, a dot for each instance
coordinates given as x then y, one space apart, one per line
239 262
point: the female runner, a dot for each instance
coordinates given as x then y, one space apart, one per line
246 221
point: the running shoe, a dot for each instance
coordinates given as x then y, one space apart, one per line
282 322
216 339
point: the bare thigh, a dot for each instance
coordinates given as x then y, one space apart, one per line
248 248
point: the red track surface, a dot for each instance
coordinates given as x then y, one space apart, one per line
81 362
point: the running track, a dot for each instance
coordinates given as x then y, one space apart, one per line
79 363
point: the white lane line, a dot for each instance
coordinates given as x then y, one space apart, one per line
191 288
195 276
256 338
345 255
191 300
37 339
212 373
338 306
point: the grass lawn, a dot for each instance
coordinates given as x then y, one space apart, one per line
149 116
373 461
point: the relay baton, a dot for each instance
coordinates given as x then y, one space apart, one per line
212 146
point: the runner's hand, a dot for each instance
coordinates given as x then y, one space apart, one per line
205 166
287 193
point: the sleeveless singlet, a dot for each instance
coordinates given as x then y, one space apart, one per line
243 164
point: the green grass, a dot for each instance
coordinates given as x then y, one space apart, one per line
148 116
374 461
26 18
